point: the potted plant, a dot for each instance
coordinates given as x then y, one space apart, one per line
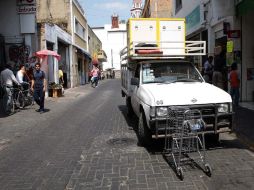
55 90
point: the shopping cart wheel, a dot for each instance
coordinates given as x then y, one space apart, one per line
179 172
208 170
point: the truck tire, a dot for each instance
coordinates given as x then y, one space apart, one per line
130 111
144 134
212 138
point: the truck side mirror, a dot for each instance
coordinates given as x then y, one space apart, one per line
135 81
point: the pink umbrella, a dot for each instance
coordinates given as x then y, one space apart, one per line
44 53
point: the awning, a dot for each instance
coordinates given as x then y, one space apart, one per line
86 54
244 7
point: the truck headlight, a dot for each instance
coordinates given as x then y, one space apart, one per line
223 108
162 111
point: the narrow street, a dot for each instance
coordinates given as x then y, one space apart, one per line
86 141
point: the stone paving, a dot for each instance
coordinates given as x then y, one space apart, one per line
88 142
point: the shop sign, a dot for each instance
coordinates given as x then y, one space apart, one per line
26 2
26 9
234 33
193 18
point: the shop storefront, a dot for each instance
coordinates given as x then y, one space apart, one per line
245 13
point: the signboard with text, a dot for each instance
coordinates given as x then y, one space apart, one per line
26 9
234 33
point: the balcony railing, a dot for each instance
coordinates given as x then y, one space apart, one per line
102 57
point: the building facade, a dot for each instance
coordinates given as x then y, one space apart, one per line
136 9
95 49
157 9
113 39
224 29
18 32
244 15
71 43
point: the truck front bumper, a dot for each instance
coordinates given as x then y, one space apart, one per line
215 122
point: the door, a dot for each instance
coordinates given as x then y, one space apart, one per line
135 98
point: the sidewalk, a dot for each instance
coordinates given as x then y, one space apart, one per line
244 123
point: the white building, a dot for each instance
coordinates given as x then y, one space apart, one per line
114 39
136 9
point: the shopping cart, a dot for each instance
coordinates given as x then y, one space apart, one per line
184 135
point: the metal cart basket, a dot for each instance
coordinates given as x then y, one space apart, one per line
184 134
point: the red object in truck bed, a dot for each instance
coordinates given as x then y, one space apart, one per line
149 51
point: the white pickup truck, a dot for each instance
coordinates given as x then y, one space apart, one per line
155 79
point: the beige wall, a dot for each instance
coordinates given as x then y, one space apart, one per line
157 9
77 39
94 43
55 11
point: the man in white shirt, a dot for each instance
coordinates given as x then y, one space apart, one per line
7 79
20 74
20 77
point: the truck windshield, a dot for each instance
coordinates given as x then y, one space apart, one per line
169 72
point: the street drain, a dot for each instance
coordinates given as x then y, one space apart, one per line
120 141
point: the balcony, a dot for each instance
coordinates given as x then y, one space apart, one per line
102 57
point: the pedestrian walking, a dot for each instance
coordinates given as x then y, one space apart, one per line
60 75
95 74
234 80
208 70
61 79
39 87
219 64
7 80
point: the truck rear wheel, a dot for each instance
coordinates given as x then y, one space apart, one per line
144 134
130 111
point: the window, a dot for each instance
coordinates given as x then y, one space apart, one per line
178 4
79 29
167 72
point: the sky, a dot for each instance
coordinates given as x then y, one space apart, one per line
99 12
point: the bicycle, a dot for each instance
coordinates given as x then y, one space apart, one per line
12 98
27 95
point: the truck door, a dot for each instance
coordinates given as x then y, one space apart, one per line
135 99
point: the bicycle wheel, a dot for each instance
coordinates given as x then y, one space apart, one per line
20 101
30 98
8 105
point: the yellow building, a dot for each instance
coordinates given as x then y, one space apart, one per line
62 27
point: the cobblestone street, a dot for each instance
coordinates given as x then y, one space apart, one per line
86 141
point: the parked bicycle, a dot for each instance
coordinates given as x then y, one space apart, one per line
10 99
16 98
27 97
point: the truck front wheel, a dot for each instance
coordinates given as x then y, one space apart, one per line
144 134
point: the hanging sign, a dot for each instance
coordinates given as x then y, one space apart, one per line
230 46
234 33
26 9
